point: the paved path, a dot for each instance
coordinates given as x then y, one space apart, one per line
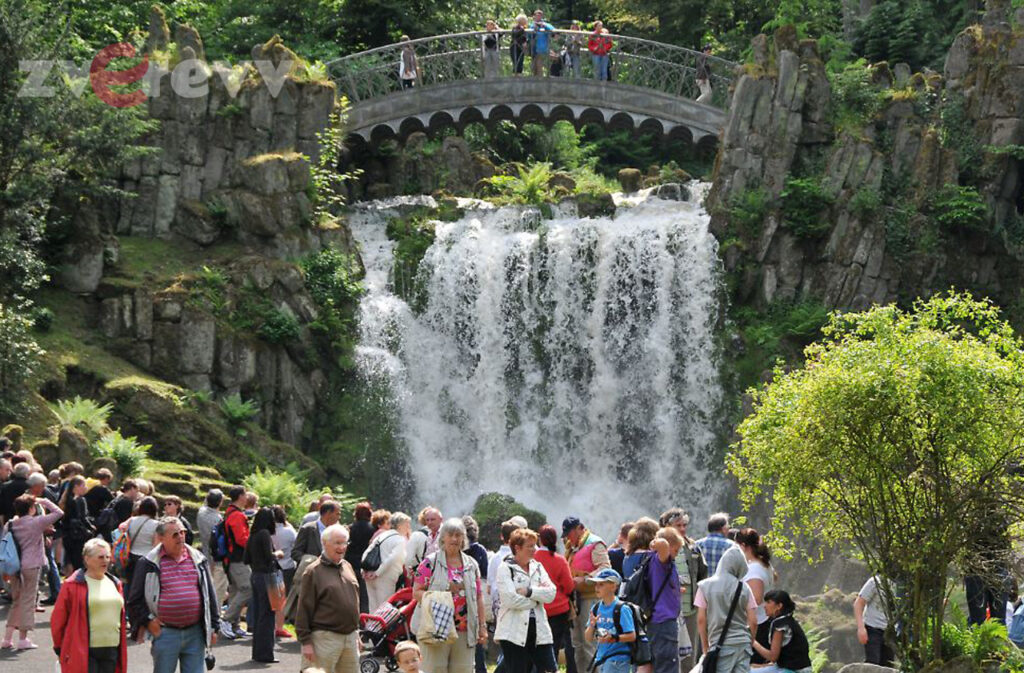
231 656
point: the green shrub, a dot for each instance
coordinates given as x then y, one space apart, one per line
529 187
855 99
747 210
20 356
279 327
281 488
985 644
804 201
865 203
129 455
42 319
958 208
332 278
83 414
779 332
230 110
414 236
238 412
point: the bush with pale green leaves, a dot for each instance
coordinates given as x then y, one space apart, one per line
83 414
900 436
127 452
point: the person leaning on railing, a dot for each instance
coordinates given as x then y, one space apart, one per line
704 76
599 45
517 49
408 66
490 48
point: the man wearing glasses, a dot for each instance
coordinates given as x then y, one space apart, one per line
172 599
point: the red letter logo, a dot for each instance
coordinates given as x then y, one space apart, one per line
102 79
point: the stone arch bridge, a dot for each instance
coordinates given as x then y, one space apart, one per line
653 89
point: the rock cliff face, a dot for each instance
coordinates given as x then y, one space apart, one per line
230 169
811 200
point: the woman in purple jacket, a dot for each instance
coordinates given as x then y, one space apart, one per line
28 526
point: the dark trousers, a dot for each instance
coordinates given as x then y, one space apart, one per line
984 600
877 651
518 55
73 553
103 659
561 631
260 619
665 646
364 597
481 659
529 657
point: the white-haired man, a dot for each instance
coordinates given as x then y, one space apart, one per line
327 616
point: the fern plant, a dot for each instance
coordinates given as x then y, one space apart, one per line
238 412
83 414
531 186
127 452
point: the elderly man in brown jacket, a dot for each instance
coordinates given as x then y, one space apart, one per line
327 618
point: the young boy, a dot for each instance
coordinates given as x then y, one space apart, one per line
407 654
612 644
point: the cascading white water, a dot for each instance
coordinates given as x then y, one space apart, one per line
570 365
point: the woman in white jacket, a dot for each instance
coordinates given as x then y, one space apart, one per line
523 588
392 533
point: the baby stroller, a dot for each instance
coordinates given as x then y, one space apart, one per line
383 629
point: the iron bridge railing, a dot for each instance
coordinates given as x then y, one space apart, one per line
444 59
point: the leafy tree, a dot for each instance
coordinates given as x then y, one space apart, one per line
900 435
19 358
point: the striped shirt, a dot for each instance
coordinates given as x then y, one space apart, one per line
180 601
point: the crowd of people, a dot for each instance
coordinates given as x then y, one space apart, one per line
130 567
552 53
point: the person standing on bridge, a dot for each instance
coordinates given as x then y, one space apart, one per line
599 45
517 50
541 44
573 45
408 66
490 49
704 76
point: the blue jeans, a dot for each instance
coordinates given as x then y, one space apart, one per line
617 665
185 645
600 67
665 646
53 576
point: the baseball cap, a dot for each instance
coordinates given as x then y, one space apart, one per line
519 521
570 523
605 575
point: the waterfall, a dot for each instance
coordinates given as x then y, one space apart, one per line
569 362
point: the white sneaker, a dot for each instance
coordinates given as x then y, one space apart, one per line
226 631
26 644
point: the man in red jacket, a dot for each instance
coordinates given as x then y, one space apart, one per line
236 526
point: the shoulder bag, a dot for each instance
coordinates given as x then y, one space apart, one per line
710 661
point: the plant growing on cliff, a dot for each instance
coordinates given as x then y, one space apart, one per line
333 280
747 210
958 208
127 452
804 202
238 412
901 435
530 186
328 183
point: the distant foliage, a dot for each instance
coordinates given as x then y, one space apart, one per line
529 187
985 644
289 488
127 452
20 356
855 99
279 327
332 278
747 210
83 414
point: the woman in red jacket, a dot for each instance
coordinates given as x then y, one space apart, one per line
88 623
558 610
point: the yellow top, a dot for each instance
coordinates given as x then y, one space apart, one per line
105 604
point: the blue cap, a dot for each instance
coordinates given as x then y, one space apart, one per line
605 575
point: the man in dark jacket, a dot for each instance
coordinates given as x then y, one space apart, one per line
171 597
14 489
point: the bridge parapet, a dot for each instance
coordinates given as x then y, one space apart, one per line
452 77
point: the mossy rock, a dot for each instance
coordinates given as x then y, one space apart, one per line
46 454
104 462
595 205
630 179
14 433
493 509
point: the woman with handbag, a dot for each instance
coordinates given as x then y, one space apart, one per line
262 560
726 616
384 560
450 570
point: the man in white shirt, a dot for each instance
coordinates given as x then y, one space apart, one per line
872 623
423 542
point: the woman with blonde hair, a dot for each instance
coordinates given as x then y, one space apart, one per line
517 49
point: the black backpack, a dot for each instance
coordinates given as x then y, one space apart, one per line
107 521
637 590
640 652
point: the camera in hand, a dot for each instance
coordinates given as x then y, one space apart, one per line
211 661
603 633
